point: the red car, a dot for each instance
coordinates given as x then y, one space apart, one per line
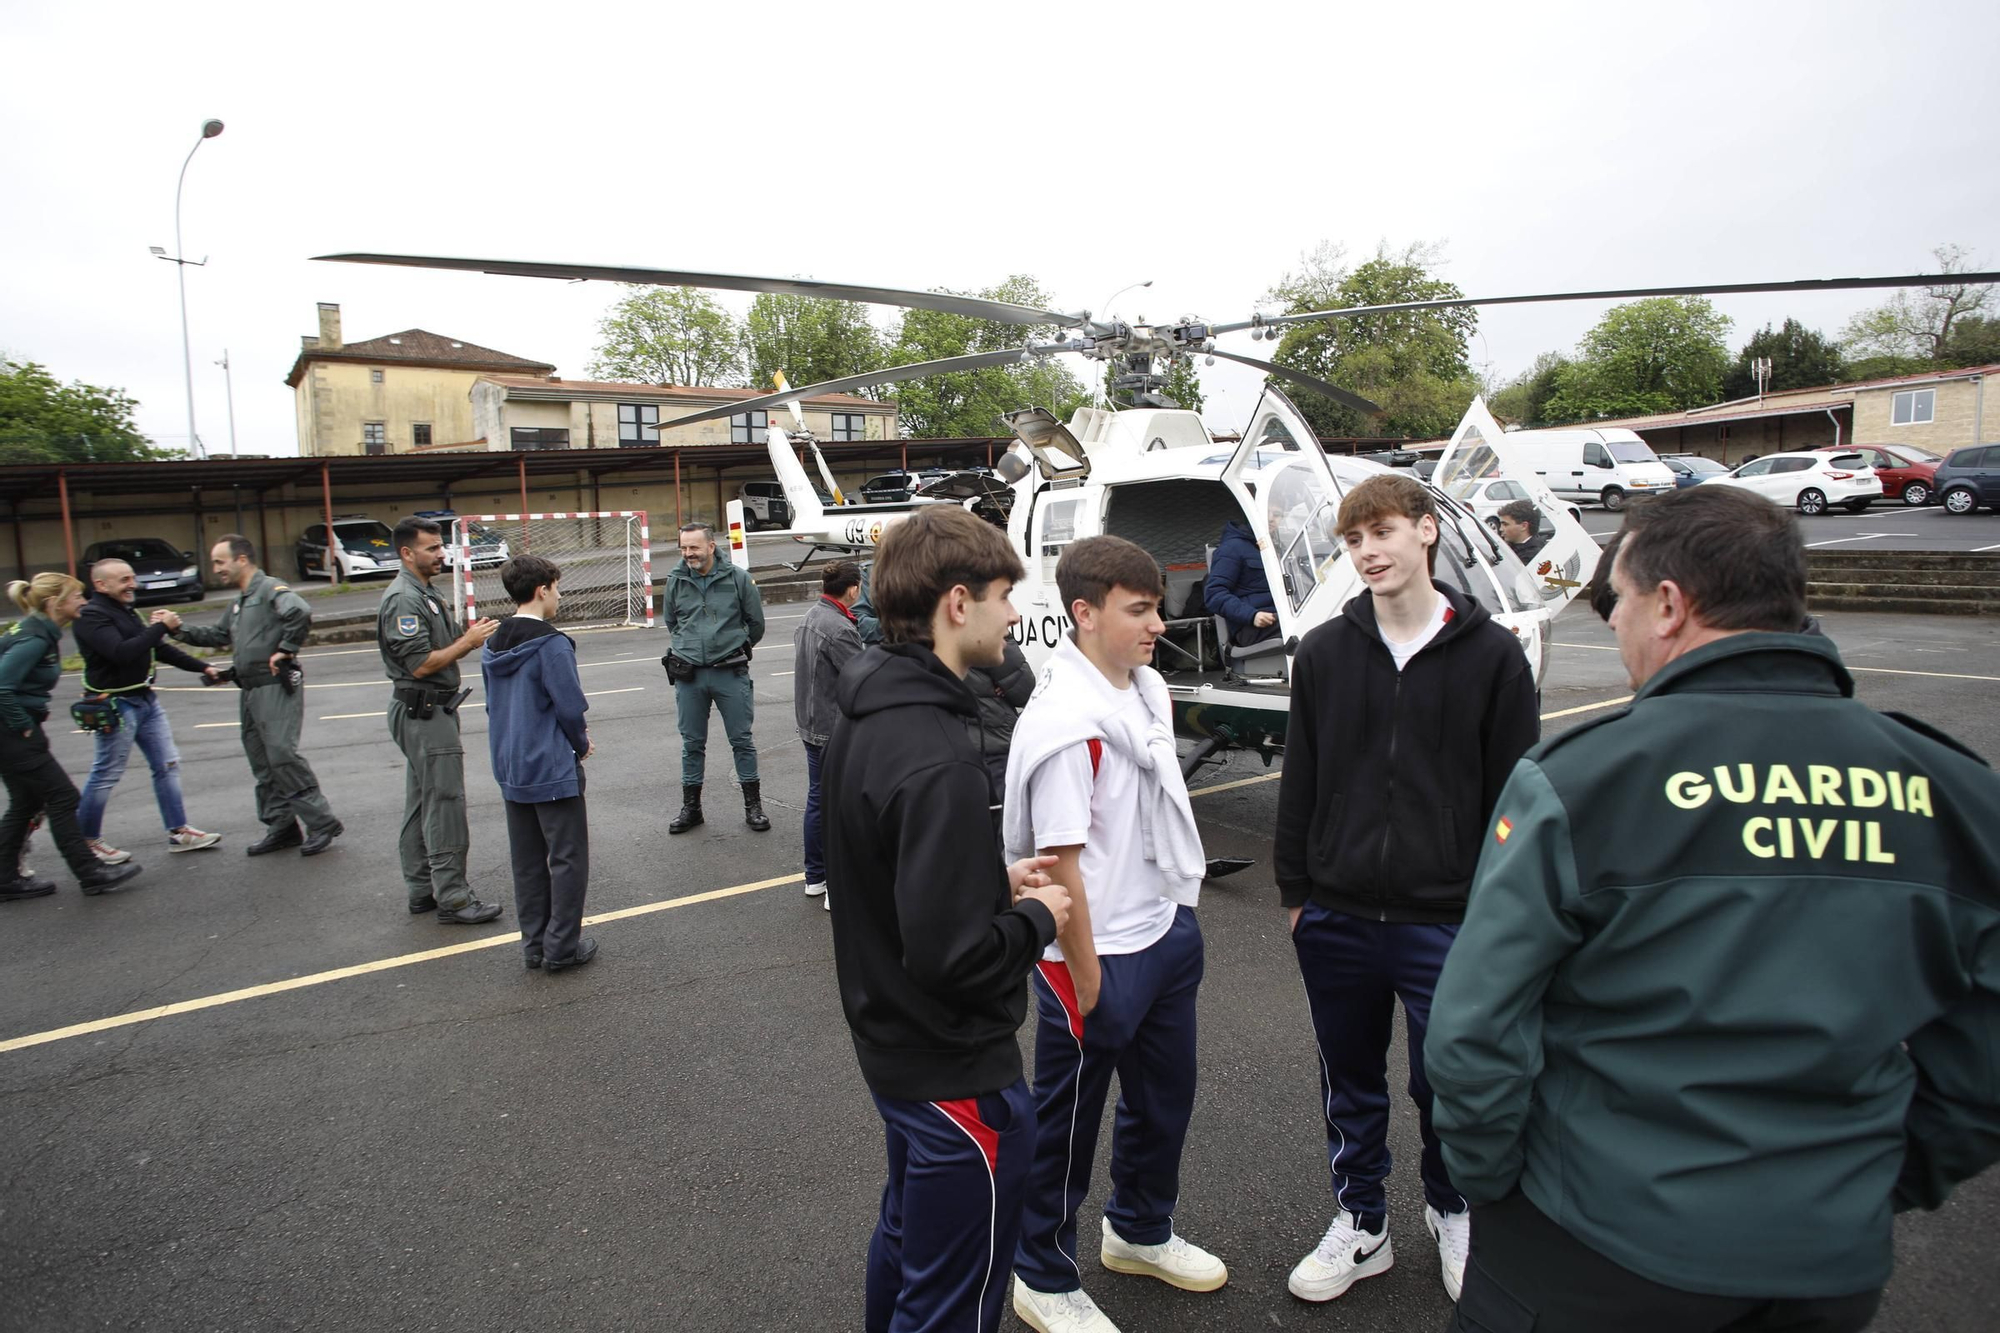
1905 469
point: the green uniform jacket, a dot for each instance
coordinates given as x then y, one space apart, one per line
30 666
712 615
1728 988
266 617
410 624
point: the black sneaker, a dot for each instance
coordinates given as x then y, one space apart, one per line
474 913
586 949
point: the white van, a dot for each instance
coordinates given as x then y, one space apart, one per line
1592 466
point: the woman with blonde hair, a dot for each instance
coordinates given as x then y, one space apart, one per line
30 665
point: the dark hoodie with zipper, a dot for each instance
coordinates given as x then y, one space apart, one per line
1391 777
929 951
534 711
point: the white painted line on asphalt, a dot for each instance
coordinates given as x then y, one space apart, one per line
199 725
1940 675
1594 647
781 673
1977 549
1858 537
342 717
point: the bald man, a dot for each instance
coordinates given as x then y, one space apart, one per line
119 652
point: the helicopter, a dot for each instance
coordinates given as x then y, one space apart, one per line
1151 471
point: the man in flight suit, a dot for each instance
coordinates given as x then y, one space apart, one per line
421 654
716 617
267 624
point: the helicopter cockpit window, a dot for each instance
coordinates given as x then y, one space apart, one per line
1276 433
1300 513
1457 567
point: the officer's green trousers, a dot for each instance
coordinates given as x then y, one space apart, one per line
287 788
730 690
435 839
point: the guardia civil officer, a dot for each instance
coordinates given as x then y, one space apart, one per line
716 616
420 652
267 624
1725 995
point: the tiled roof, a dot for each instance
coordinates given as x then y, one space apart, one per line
417 347
550 387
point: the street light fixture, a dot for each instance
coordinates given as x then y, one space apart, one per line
209 129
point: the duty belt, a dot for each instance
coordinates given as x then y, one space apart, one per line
422 701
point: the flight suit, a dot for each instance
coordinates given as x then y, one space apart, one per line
268 617
410 625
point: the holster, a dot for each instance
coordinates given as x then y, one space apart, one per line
679 670
421 702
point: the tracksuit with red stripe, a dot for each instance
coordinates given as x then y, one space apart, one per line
931 955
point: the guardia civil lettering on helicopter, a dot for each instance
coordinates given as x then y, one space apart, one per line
1150 471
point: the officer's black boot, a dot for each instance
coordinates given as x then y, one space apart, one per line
690 814
753 807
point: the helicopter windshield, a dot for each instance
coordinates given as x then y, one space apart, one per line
1300 509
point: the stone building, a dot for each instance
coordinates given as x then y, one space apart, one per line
543 412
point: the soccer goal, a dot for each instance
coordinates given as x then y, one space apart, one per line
606 560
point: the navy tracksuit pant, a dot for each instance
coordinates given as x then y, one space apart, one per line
951 1211
1355 970
1142 1029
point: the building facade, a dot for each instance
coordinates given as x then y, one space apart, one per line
510 411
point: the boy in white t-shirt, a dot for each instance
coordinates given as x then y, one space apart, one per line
1093 778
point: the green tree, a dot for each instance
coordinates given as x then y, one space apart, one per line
1974 341
1915 325
808 338
43 421
1183 384
668 335
1411 363
1524 399
1658 355
970 402
1801 358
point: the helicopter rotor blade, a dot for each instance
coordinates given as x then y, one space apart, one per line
978 307
887 375
1632 293
1303 380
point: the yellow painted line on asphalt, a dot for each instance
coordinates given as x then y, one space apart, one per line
363 969
1587 708
1941 675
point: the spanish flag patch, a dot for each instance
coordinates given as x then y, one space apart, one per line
1502 829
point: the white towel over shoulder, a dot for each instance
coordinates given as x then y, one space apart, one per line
1073 703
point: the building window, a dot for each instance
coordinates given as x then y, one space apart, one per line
850 426
540 437
374 376
420 434
633 420
1914 407
374 437
749 427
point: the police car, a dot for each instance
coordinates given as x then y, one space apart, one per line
486 549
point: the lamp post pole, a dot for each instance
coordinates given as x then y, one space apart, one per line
229 389
209 129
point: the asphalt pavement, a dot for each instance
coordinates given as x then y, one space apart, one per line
1884 526
345 1127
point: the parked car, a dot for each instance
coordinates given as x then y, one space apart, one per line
1905 470
764 505
1692 469
165 573
1969 478
485 547
366 546
1486 498
895 487
1812 481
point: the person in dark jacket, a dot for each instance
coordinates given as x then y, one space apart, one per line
823 645
1520 528
935 934
716 617
119 651
1002 692
30 665
1236 588
865 618
536 736
1726 995
1409 710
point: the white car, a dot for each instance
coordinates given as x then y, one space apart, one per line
1810 481
1486 498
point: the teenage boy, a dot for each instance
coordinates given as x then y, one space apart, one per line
534 727
825 643
1093 779
935 933
1409 710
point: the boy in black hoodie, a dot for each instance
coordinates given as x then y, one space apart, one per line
1409 711
935 935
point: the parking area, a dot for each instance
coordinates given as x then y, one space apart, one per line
351 1117
1887 525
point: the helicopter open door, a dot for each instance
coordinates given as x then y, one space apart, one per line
1061 455
1479 452
1279 474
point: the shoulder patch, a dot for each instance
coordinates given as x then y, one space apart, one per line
1923 728
407 626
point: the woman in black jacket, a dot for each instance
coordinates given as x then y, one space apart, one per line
1002 692
30 666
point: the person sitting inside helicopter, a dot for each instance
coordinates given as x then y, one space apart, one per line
1236 588
1520 524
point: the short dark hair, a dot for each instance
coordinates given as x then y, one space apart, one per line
1091 568
407 530
1738 557
1390 497
704 529
1524 513
240 547
838 577
524 575
925 556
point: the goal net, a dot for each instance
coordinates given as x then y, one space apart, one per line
606 560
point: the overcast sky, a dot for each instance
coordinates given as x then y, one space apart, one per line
1206 147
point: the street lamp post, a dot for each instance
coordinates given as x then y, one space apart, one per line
209 129
229 388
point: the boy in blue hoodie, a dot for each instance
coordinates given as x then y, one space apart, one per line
534 724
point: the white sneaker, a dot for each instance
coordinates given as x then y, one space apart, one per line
108 854
1345 1255
188 838
1060 1311
816 890
1174 1262
1453 1233
826 901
